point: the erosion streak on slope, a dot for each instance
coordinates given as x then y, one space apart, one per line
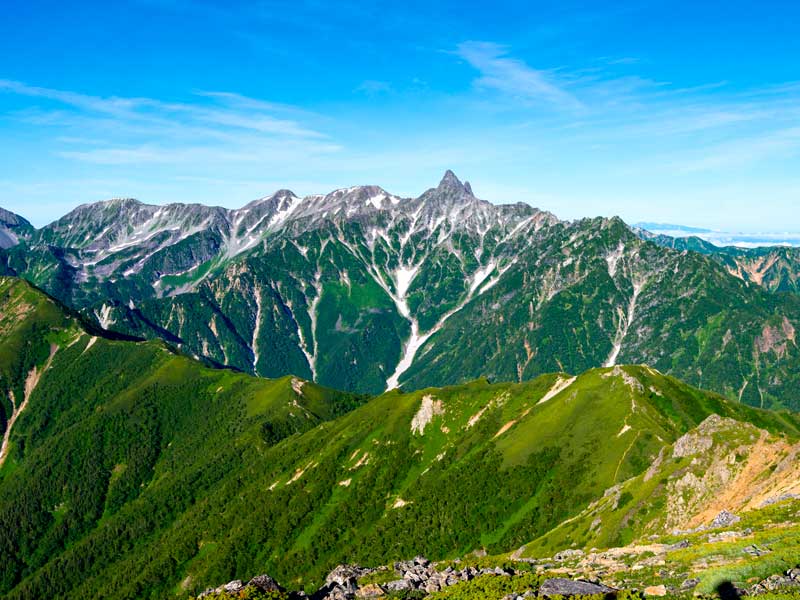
309 350
625 320
417 339
312 315
559 386
257 327
30 385
622 458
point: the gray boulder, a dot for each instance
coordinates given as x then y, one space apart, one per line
725 519
343 573
569 587
265 583
401 585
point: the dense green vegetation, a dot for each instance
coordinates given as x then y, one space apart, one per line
135 472
118 440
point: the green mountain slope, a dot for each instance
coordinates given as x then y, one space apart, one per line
136 473
724 464
95 426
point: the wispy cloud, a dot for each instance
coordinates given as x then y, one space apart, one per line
217 126
607 106
507 75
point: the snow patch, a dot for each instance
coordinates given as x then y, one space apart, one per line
104 316
480 276
284 213
376 200
90 344
624 323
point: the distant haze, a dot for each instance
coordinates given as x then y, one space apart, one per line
725 238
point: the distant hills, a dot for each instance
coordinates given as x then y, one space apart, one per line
722 239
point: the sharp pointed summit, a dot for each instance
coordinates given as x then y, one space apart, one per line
451 183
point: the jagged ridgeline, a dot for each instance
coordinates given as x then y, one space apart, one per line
362 290
134 472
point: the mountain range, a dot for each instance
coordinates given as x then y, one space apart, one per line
131 471
365 291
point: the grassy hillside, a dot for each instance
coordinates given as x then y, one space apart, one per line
137 473
116 439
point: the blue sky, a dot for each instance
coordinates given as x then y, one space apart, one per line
683 112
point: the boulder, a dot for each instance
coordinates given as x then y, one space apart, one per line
776 583
343 573
690 584
400 585
725 519
569 587
655 590
265 583
233 587
371 590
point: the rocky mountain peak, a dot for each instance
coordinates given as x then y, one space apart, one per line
450 183
10 219
12 227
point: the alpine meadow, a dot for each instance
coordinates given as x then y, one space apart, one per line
419 390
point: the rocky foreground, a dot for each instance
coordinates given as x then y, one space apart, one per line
420 578
754 554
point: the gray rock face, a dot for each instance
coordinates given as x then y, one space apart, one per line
12 228
568 587
234 586
418 574
725 519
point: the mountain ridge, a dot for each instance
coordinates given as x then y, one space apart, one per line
363 290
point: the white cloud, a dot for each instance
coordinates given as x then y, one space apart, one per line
220 126
507 75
